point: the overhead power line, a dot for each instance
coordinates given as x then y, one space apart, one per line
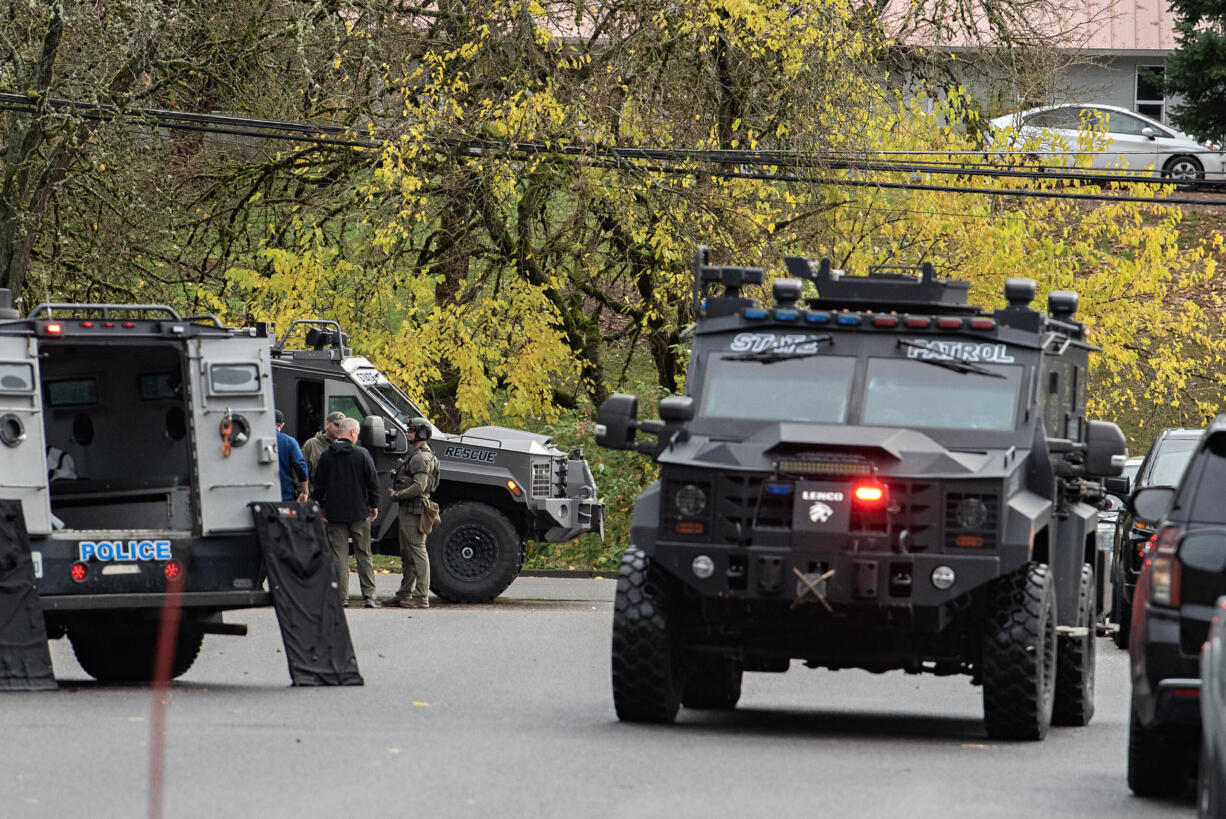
730 164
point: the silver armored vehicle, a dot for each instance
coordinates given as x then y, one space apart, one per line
883 477
500 487
134 438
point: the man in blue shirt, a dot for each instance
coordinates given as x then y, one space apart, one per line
293 465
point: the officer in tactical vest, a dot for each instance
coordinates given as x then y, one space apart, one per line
413 479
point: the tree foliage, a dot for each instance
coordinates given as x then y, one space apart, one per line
1196 70
499 282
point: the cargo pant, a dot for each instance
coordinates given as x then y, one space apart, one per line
338 539
413 557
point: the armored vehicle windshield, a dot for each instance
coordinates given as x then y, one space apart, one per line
913 382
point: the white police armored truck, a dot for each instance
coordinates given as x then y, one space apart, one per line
881 477
499 487
134 439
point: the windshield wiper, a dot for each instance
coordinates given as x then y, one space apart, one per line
777 353
958 365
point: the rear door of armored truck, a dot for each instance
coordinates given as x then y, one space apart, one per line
23 455
235 434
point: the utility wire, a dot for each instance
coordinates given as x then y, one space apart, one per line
626 158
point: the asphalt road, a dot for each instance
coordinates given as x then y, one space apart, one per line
505 710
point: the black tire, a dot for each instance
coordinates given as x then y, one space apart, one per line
1121 613
475 553
712 683
1019 655
647 673
1075 662
1210 787
1186 171
124 649
1157 761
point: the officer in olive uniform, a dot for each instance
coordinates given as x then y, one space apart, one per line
414 478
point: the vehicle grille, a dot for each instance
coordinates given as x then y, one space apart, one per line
542 480
913 506
745 514
742 508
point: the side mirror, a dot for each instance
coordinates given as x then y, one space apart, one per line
1120 486
615 421
1149 503
1106 449
1148 132
676 409
373 432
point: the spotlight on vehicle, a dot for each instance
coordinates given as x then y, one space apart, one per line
943 577
703 567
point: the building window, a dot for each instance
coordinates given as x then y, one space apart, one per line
1151 101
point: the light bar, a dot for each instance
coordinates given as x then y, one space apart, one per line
801 466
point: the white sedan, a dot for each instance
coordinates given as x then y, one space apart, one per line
1128 141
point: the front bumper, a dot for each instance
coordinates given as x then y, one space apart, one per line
851 579
572 517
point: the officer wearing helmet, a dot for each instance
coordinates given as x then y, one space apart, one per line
413 480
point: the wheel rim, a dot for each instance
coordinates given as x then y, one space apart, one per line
470 553
1184 169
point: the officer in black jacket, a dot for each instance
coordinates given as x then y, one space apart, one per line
347 487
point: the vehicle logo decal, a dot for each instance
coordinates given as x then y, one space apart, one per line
775 342
815 495
820 512
928 348
119 550
463 453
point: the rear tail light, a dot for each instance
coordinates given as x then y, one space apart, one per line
1163 581
1167 540
1164 567
173 570
80 571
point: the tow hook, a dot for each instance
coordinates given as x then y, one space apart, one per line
811 585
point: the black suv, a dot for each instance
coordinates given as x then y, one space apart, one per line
1182 575
1163 466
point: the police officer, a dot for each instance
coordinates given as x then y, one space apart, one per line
413 480
315 446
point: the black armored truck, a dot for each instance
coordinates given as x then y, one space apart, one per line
499 487
882 477
132 440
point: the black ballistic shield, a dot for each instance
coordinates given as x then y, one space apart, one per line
25 660
304 595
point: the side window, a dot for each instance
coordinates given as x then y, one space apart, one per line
16 377
1210 483
1056 118
1126 125
234 379
346 404
71 392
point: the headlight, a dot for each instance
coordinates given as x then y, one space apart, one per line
971 513
690 500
